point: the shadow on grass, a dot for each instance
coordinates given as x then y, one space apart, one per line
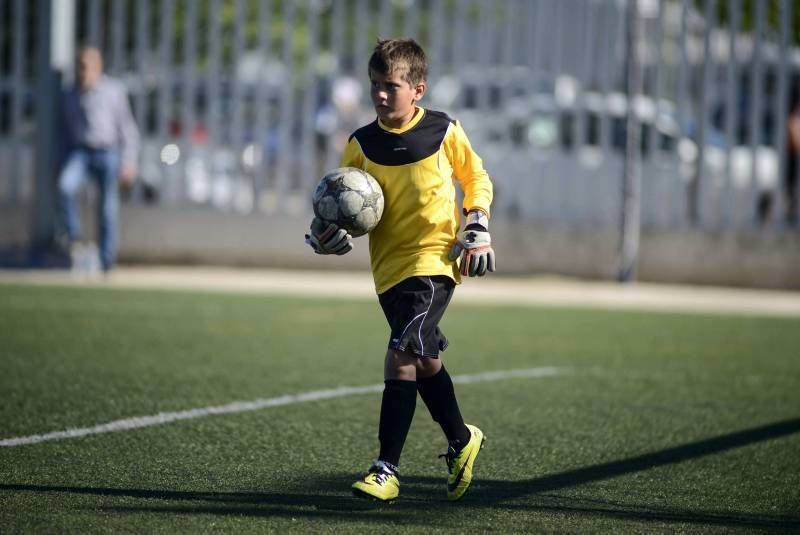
326 497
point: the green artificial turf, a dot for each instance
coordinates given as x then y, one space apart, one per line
655 423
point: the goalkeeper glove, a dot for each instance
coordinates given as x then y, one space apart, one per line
327 238
475 247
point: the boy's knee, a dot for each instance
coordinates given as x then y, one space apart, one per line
427 367
400 365
409 366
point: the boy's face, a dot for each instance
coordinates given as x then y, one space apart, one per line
394 98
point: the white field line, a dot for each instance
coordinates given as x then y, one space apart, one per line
138 422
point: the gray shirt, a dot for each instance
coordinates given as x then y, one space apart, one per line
101 118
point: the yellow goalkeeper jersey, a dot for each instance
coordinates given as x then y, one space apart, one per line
417 166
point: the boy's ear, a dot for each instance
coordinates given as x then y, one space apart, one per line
419 90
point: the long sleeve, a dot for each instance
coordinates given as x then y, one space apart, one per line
468 170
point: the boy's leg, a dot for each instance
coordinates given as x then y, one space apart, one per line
439 396
397 406
465 441
397 410
413 309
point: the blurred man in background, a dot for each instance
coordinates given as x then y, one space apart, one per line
101 140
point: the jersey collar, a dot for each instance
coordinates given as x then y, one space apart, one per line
411 124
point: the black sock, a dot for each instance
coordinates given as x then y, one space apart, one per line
397 411
439 396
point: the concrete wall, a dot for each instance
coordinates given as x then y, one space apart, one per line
769 259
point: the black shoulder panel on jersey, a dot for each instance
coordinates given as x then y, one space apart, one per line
387 148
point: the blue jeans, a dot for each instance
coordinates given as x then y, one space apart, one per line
104 166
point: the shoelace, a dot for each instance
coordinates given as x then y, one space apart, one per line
449 457
380 475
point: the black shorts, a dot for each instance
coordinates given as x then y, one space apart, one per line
413 309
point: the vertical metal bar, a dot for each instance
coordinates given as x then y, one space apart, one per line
264 98
471 32
165 95
4 111
243 185
142 52
632 183
572 183
118 37
337 32
509 22
287 106
484 55
755 111
411 22
584 72
213 113
4 29
781 111
4 90
543 82
682 100
386 20
731 112
561 203
652 189
558 38
94 36
656 47
345 67
588 76
534 21
437 39
608 32
18 101
696 186
189 71
538 43
237 91
618 68
235 128
362 46
167 80
306 177
527 50
459 31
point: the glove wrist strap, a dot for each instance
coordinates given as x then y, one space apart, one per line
477 220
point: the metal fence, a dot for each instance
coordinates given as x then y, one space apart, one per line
243 104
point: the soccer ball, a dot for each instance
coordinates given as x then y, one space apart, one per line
350 198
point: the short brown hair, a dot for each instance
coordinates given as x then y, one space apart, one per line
402 55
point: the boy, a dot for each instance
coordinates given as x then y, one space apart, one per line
414 153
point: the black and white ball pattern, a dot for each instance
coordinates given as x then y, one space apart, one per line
351 198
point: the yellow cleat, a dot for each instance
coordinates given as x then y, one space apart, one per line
378 485
460 464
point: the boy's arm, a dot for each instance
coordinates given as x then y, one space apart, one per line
468 170
475 248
